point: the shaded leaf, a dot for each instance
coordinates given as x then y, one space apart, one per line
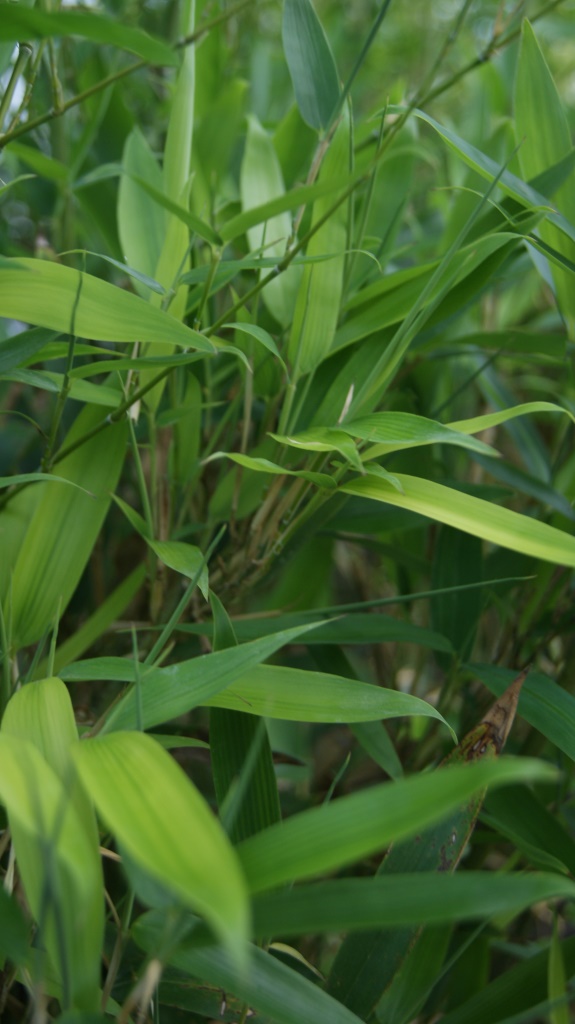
310 62
167 828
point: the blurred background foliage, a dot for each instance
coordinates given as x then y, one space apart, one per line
496 339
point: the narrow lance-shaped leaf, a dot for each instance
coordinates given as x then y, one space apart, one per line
310 62
48 294
261 180
545 139
353 827
20 23
239 744
141 221
54 834
473 515
63 528
176 181
270 987
368 962
167 829
169 692
319 295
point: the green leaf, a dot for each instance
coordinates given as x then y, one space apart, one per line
15 351
298 695
545 139
167 828
141 221
357 628
311 65
241 757
99 622
516 812
59 866
402 899
557 980
264 338
63 528
196 225
323 439
398 430
493 419
260 181
170 692
19 22
48 297
13 930
457 560
292 200
40 478
319 295
376 742
46 166
472 515
258 465
339 833
269 987
488 168
514 992
79 390
184 558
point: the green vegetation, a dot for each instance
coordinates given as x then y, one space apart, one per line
287 480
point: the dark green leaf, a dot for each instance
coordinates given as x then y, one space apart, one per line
310 62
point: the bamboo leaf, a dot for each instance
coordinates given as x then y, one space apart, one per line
401 900
472 515
269 987
515 992
311 65
99 622
15 351
509 183
19 22
258 465
170 692
323 439
557 980
298 695
543 131
260 181
63 528
59 865
167 828
141 221
493 419
320 291
241 757
13 930
47 297
264 338
342 832
183 558
196 225
392 431
292 200
435 849
517 812
357 628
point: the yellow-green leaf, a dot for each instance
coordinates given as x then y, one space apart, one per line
166 827
472 515
48 295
